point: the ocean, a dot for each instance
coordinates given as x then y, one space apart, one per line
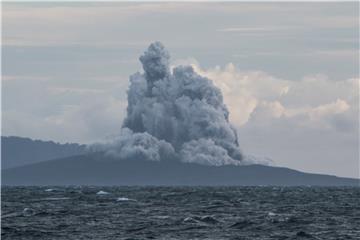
264 212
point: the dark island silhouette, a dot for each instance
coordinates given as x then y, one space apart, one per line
19 151
97 169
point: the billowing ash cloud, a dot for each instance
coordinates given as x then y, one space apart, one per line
130 145
174 115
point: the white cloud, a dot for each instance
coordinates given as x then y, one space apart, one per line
243 91
258 96
337 107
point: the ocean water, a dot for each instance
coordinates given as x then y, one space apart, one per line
180 213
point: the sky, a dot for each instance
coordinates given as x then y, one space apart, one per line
289 72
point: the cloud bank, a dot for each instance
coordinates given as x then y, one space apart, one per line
256 98
174 114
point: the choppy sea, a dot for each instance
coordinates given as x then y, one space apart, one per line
180 213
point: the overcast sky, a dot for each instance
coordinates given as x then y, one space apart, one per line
288 71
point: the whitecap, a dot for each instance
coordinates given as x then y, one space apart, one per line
124 199
271 214
102 193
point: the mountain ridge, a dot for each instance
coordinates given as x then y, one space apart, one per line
96 169
18 151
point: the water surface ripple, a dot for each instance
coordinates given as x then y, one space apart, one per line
180 213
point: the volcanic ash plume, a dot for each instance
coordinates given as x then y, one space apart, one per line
174 115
